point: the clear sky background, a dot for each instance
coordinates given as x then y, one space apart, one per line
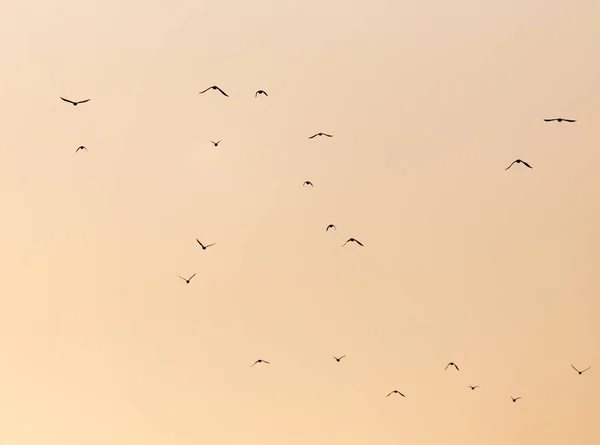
428 102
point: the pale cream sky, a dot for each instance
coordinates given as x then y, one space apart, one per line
428 102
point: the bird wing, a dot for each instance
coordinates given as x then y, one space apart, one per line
517 398
256 94
447 366
192 276
218 142
314 135
268 363
359 243
570 120
401 394
67 100
550 120
254 363
586 369
526 164
390 394
510 165
205 90
210 245
574 368
222 92
456 367
328 135
199 242
342 357
345 243
181 277
83 101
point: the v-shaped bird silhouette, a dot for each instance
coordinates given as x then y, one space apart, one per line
330 226
518 161
214 87
321 134
560 119
353 240
187 280
260 92
337 359
203 246
75 102
81 147
451 364
580 372
395 392
260 360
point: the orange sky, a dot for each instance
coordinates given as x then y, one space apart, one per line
428 102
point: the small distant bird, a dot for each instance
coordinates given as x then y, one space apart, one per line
308 183
214 87
321 134
75 102
337 359
560 119
260 360
215 143
518 161
261 92
187 280
395 392
451 364
580 372
81 147
473 387
203 246
514 399
330 226
353 240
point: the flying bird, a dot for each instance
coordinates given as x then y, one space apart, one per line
395 392
214 87
514 399
215 143
337 359
560 119
75 102
518 161
451 364
353 240
473 387
187 280
330 226
580 372
261 92
203 246
260 361
308 183
81 147
321 134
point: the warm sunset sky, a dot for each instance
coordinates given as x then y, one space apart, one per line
428 102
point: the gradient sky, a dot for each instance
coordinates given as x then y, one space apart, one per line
428 102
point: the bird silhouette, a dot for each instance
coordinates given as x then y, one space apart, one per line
81 147
518 161
308 183
321 134
514 399
260 92
473 387
203 246
260 360
75 102
214 87
353 240
215 143
188 279
395 392
560 119
580 372
451 364
330 226
337 359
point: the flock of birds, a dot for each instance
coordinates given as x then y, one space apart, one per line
332 226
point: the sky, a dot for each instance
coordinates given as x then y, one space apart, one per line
428 102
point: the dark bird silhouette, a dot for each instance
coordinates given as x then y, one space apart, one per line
353 240
473 387
560 119
451 364
337 359
215 143
395 392
330 226
203 246
75 102
261 92
81 147
321 134
518 161
187 280
514 399
260 360
308 183
214 87
580 372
